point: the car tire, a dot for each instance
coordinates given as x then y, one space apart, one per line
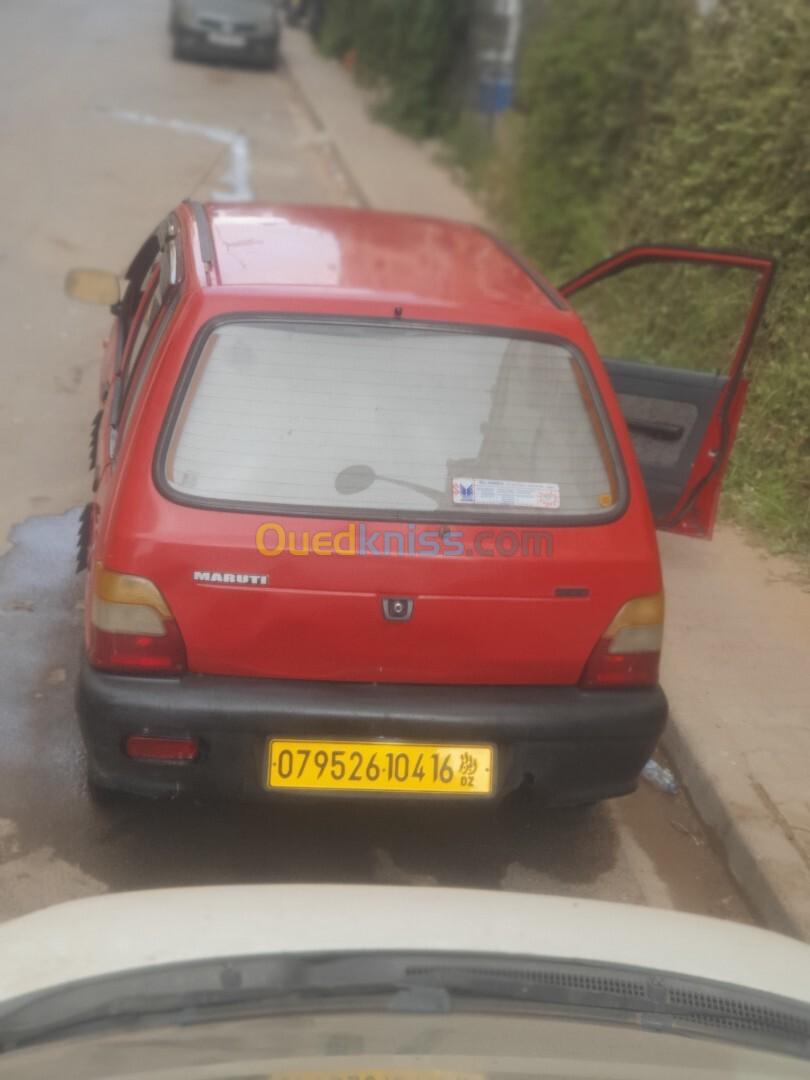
527 802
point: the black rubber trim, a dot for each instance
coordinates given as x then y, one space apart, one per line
497 713
431 982
364 513
568 745
204 232
145 256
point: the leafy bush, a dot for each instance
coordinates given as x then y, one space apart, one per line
414 47
637 120
643 122
726 164
594 77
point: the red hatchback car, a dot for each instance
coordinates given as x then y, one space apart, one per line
368 515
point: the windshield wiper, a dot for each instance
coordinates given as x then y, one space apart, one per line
204 992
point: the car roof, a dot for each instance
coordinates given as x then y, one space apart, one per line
335 250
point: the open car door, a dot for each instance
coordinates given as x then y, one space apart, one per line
674 326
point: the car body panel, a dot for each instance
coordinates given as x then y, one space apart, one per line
425 259
93 937
477 618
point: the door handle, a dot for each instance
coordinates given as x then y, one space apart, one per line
657 429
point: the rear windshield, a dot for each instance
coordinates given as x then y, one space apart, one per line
391 421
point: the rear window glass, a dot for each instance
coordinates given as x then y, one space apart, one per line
389 420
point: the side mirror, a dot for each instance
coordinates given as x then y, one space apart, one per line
354 479
93 287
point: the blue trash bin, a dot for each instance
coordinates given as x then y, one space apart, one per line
495 93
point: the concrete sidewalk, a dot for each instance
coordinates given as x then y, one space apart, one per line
384 169
737 655
737 672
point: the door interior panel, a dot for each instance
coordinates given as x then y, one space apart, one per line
677 417
668 412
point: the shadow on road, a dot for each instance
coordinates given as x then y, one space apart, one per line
142 845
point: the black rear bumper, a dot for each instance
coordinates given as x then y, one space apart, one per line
573 746
197 42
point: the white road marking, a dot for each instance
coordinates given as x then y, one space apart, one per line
237 177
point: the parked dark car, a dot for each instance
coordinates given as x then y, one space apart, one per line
224 29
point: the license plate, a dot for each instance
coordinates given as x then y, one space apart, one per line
362 1072
228 41
310 765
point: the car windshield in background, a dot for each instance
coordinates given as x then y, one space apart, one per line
390 420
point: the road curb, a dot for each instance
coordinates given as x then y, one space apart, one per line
756 849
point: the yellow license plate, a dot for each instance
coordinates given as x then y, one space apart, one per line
309 765
361 1072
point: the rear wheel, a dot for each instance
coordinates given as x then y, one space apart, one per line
527 801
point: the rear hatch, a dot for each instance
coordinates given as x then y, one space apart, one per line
382 502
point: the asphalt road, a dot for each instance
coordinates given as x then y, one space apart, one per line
101 133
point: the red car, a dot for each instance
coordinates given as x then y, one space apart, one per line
368 516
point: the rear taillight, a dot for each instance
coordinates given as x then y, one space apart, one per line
629 651
130 626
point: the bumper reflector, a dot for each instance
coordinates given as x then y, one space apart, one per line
157 748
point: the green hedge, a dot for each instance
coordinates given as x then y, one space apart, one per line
414 46
727 163
646 122
639 120
594 77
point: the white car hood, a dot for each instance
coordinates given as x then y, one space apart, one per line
104 935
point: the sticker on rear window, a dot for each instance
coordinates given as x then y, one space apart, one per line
506 493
